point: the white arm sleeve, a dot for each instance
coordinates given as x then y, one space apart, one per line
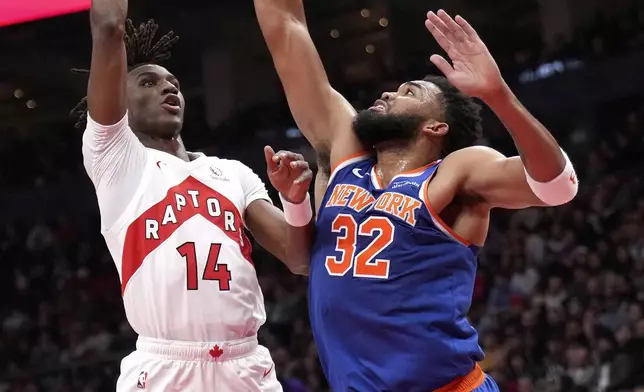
253 186
114 159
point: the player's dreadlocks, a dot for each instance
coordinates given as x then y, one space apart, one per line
462 115
140 50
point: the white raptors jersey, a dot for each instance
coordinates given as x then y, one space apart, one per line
175 230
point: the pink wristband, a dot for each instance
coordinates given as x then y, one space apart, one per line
297 215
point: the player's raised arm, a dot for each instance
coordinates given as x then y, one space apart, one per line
113 156
106 97
542 174
320 112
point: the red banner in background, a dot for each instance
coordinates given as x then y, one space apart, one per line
18 11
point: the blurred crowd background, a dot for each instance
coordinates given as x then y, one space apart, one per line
559 296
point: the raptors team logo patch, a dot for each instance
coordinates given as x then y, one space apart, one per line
143 378
217 174
216 171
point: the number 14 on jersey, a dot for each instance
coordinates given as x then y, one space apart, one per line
214 270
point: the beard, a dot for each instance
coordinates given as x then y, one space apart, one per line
373 128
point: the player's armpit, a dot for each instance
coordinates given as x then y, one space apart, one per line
289 244
321 113
106 98
487 174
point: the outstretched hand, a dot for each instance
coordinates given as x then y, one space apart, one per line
289 173
473 69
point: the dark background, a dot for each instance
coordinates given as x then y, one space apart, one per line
558 299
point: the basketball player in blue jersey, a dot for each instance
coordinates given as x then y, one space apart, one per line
399 226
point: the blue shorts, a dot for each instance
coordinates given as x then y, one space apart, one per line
469 382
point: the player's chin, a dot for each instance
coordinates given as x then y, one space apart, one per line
168 126
167 118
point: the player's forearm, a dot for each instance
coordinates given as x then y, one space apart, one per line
297 248
539 151
108 16
106 99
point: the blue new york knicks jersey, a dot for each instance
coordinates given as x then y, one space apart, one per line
390 285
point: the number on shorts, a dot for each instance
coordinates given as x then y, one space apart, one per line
213 270
364 264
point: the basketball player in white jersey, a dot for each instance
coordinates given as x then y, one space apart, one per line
174 221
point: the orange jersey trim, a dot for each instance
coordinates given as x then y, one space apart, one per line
466 383
343 160
436 217
402 174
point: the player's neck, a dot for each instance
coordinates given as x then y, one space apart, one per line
172 146
397 160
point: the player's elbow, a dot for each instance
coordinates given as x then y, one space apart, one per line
300 269
296 260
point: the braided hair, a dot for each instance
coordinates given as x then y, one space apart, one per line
140 50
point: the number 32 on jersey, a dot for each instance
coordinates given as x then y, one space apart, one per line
365 264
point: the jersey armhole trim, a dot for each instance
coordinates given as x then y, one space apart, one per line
438 221
359 156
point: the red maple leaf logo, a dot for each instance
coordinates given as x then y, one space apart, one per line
573 178
216 352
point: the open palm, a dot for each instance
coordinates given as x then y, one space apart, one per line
473 69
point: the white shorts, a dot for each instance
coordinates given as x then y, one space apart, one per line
166 366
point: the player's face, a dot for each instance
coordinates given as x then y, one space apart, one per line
416 98
398 116
155 102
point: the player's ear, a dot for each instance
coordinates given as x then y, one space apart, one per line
435 128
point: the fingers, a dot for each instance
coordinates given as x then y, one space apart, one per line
280 160
271 163
469 30
287 163
305 178
455 30
292 176
448 31
443 65
301 185
432 23
284 156
299 165
302 169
